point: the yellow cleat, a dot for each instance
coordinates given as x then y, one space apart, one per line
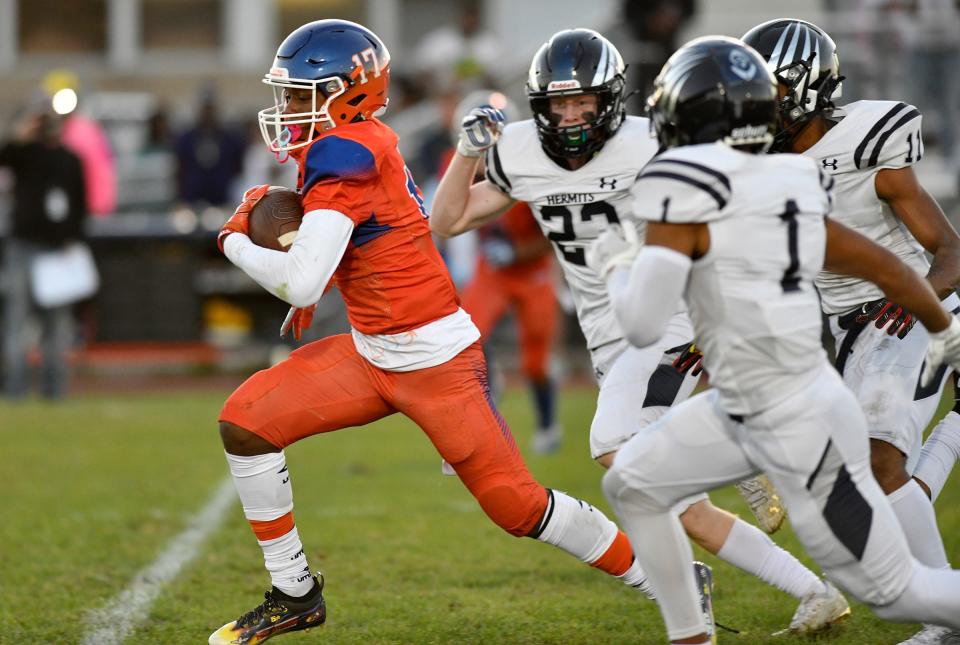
764 502
277 614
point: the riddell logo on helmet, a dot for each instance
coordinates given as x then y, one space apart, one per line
563 85
279 72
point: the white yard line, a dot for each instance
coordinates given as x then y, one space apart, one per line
121 614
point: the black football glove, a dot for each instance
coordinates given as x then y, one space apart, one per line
884 312
689 360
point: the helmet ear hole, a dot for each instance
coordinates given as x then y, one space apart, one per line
357 100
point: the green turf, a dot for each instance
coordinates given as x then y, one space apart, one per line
95 487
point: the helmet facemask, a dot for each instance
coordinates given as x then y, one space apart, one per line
282 131
585 138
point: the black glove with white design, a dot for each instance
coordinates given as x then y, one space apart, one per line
883 313
479 130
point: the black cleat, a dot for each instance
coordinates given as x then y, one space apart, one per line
279 613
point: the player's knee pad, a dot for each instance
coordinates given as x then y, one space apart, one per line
576 527
626 498
515 509
263 484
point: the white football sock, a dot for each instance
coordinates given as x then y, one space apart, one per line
577 527
752 550
582 531
919 523
263 484
932 596
287 564
940 452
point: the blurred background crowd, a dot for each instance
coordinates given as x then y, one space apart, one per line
156 100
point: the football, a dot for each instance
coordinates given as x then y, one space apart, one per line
275 219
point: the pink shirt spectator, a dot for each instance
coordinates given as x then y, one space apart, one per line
86 139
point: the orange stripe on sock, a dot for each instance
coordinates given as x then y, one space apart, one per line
273 529
617 558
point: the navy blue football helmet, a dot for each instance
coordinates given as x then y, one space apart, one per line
345 66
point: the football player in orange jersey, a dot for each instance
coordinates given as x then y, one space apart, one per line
412 348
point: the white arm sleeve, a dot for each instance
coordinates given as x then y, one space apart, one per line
647 294
300 275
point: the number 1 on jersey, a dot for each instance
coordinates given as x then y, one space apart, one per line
791 281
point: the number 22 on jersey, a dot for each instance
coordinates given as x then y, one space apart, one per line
569 234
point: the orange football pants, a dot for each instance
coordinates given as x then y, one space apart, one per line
534 302
327 385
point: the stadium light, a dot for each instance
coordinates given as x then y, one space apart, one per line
64 101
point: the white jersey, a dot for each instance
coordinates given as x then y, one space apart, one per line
573 207
870 136
751 297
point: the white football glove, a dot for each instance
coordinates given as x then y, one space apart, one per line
944 347
479 130
616 247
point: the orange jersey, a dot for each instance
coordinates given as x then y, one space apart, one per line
392 277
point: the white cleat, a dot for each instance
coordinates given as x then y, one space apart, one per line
764 502
932 635
818 611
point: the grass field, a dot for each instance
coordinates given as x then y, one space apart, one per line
95 488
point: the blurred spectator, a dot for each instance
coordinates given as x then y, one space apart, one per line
151 175
49 207
458 54
209 156
646 37
86 138
159 136
931 33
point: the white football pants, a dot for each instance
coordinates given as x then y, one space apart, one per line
814 448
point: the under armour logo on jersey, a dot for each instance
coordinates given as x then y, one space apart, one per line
829 163
611 184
